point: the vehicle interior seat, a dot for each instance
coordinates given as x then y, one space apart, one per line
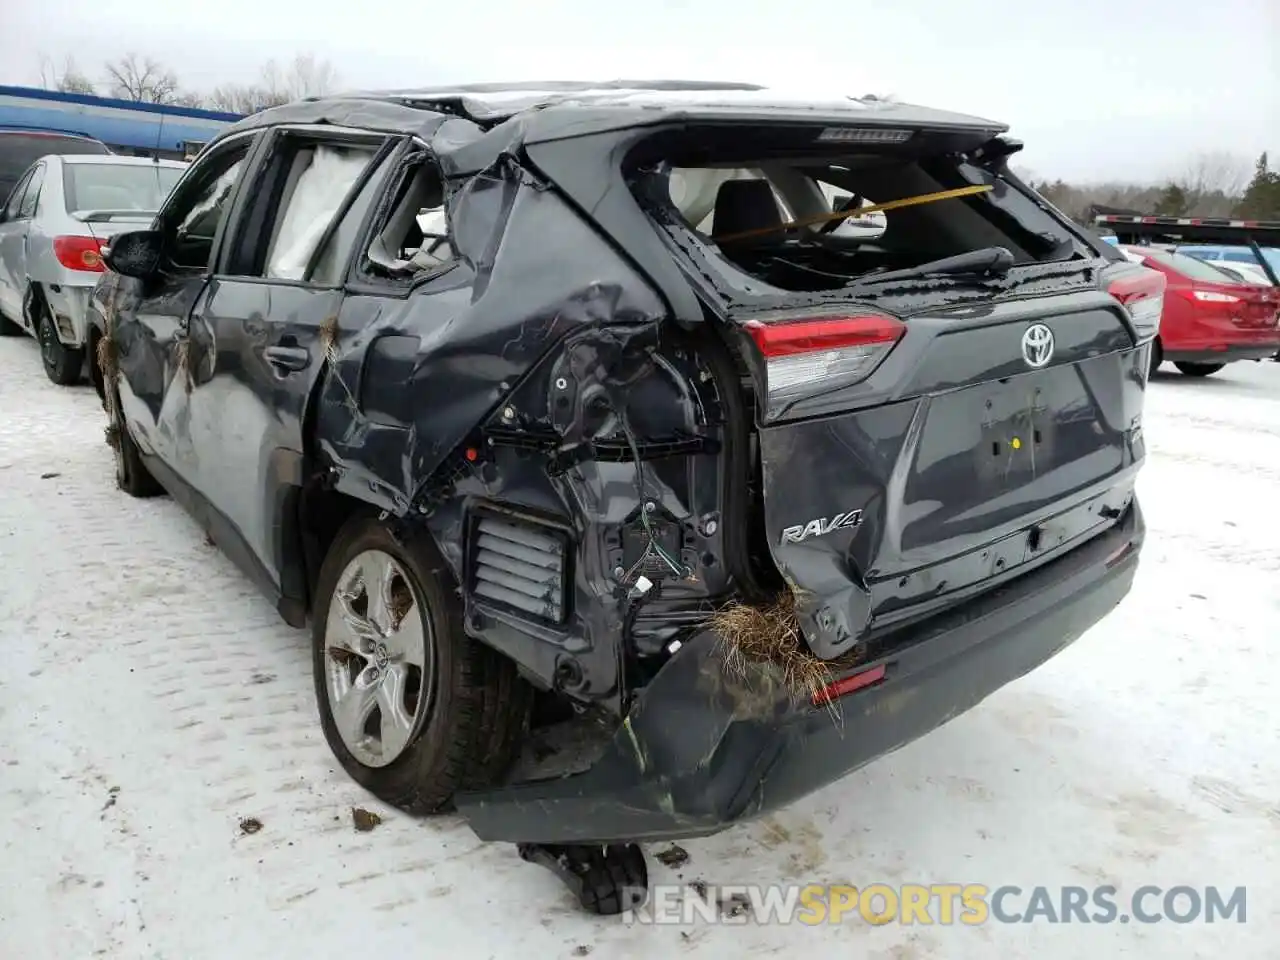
743 205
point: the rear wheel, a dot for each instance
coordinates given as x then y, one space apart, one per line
1157 357
62 364
1199 369
413 709
8 328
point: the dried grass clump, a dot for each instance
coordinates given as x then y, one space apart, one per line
107 358
329 332
770 634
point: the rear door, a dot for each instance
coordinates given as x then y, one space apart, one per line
256 336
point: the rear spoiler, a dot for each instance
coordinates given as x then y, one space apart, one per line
1254 234
104 216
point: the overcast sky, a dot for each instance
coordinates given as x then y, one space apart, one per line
1098 89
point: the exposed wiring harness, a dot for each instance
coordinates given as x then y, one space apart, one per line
652 547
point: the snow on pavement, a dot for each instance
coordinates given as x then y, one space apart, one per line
150 701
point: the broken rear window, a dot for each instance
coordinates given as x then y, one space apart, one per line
741 196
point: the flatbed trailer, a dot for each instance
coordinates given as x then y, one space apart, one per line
1145 230
1254 234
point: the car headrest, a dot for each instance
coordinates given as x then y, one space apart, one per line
743 205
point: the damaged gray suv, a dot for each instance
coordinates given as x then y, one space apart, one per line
642 457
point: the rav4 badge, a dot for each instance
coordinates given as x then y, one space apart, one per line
821 526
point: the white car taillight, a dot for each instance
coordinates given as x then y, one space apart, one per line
1212 296
807 355
1141 292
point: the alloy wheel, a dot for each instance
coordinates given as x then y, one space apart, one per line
379 654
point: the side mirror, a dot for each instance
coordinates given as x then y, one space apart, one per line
135 254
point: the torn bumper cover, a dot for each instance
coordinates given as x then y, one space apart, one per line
703 748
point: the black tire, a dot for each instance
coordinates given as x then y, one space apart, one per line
96 376
132 476
62 364
1198 369
8 328
477 708
1157 357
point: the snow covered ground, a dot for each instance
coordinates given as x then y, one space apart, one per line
150 702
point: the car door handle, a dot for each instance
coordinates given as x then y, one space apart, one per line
288 359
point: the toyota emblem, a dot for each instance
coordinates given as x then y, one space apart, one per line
1037 345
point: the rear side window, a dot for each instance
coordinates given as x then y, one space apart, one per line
15 198
19 150
299 202
412 238
118 186
31 197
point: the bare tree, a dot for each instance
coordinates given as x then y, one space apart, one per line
143 81
233 98
67 80
304 77
1219 171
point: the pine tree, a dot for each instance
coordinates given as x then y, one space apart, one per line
1261 200
1173 202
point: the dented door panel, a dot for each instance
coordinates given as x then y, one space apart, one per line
480 328
150 329
256 353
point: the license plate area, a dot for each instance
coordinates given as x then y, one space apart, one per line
1017 436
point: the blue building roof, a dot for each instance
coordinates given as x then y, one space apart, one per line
117 123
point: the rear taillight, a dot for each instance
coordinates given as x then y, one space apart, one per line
1141 292
808 355
1212 296
79 253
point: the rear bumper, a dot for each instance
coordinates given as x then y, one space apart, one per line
1228 354
70 305
703 749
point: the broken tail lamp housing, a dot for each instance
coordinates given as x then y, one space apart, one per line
1141 293
809 355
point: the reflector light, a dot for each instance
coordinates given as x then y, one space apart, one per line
840 688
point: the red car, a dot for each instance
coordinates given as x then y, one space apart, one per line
1209 317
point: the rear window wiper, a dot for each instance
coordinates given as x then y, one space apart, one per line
987 262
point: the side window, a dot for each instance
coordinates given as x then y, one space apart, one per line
15 198
413 235
304 187
32 196
196 214
331 264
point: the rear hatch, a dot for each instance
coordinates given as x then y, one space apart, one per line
940 408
